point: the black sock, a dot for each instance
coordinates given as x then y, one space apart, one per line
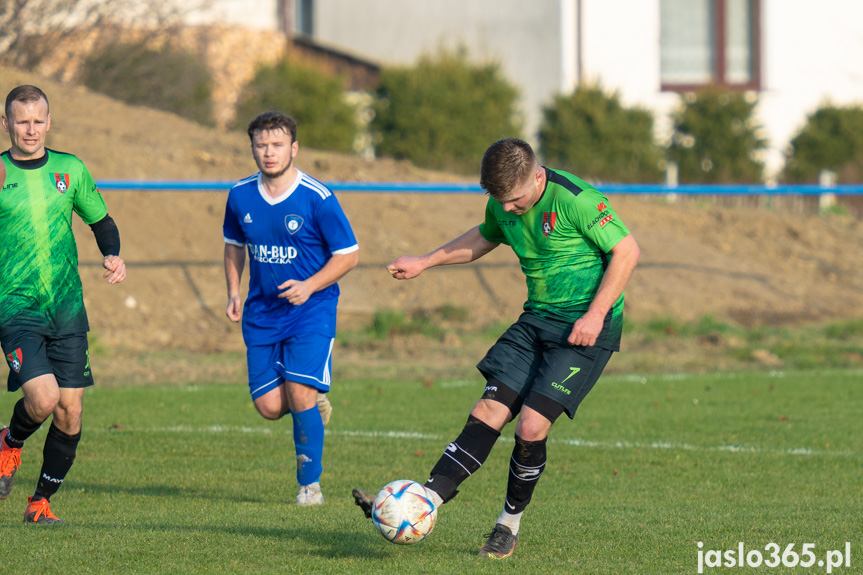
58 456
21 427
525 468
462 458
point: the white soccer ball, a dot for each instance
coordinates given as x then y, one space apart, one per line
404 512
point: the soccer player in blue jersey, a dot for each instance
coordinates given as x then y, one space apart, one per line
300 244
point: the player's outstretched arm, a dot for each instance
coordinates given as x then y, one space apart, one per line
466 248
235 260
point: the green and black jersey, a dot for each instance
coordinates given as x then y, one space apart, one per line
40 289
562 244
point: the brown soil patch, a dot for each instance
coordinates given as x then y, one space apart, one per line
754 266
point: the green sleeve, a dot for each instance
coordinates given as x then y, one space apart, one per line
598 221
489 228
88 202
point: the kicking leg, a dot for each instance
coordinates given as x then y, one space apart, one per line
461 459
464 456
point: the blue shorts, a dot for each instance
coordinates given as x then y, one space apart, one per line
306 359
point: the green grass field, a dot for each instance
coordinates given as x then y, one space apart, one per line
191 480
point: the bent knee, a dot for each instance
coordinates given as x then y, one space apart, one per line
492 413
40 408
532 428
268 411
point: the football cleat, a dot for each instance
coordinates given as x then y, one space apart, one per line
324 407
310 495
40 512
365 500
500 543
10 459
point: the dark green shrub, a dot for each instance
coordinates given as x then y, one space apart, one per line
443 112
844 330
314 98
715 139
167 79
390 322
832 139
455 313
591 134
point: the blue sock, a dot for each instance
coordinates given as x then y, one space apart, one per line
309 443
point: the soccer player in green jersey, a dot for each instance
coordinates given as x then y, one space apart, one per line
43 323
577 257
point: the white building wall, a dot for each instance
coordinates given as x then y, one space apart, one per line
620 51
524 38
813 54
811 51
252 14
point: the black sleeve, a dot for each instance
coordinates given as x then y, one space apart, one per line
107 236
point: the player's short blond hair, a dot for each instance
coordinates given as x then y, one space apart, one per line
24 94
506 164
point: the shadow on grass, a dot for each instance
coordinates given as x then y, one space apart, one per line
161 490
355 541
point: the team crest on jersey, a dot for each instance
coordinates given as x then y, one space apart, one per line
548 221
14 360
293 223
61 181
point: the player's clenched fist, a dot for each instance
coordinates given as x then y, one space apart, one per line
406 267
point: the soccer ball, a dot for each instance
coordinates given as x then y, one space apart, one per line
404 512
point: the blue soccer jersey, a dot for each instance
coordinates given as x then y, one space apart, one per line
289 237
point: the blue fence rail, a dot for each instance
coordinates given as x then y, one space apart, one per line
469 188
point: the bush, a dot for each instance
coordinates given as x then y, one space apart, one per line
389 323
167 79
715 139
832 139
315 99
444 112
590 134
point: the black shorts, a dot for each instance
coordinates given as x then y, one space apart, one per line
535 361
29 354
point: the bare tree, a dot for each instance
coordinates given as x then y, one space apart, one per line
30 28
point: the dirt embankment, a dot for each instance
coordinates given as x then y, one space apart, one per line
749 265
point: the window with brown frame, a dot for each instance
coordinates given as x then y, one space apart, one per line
710 42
